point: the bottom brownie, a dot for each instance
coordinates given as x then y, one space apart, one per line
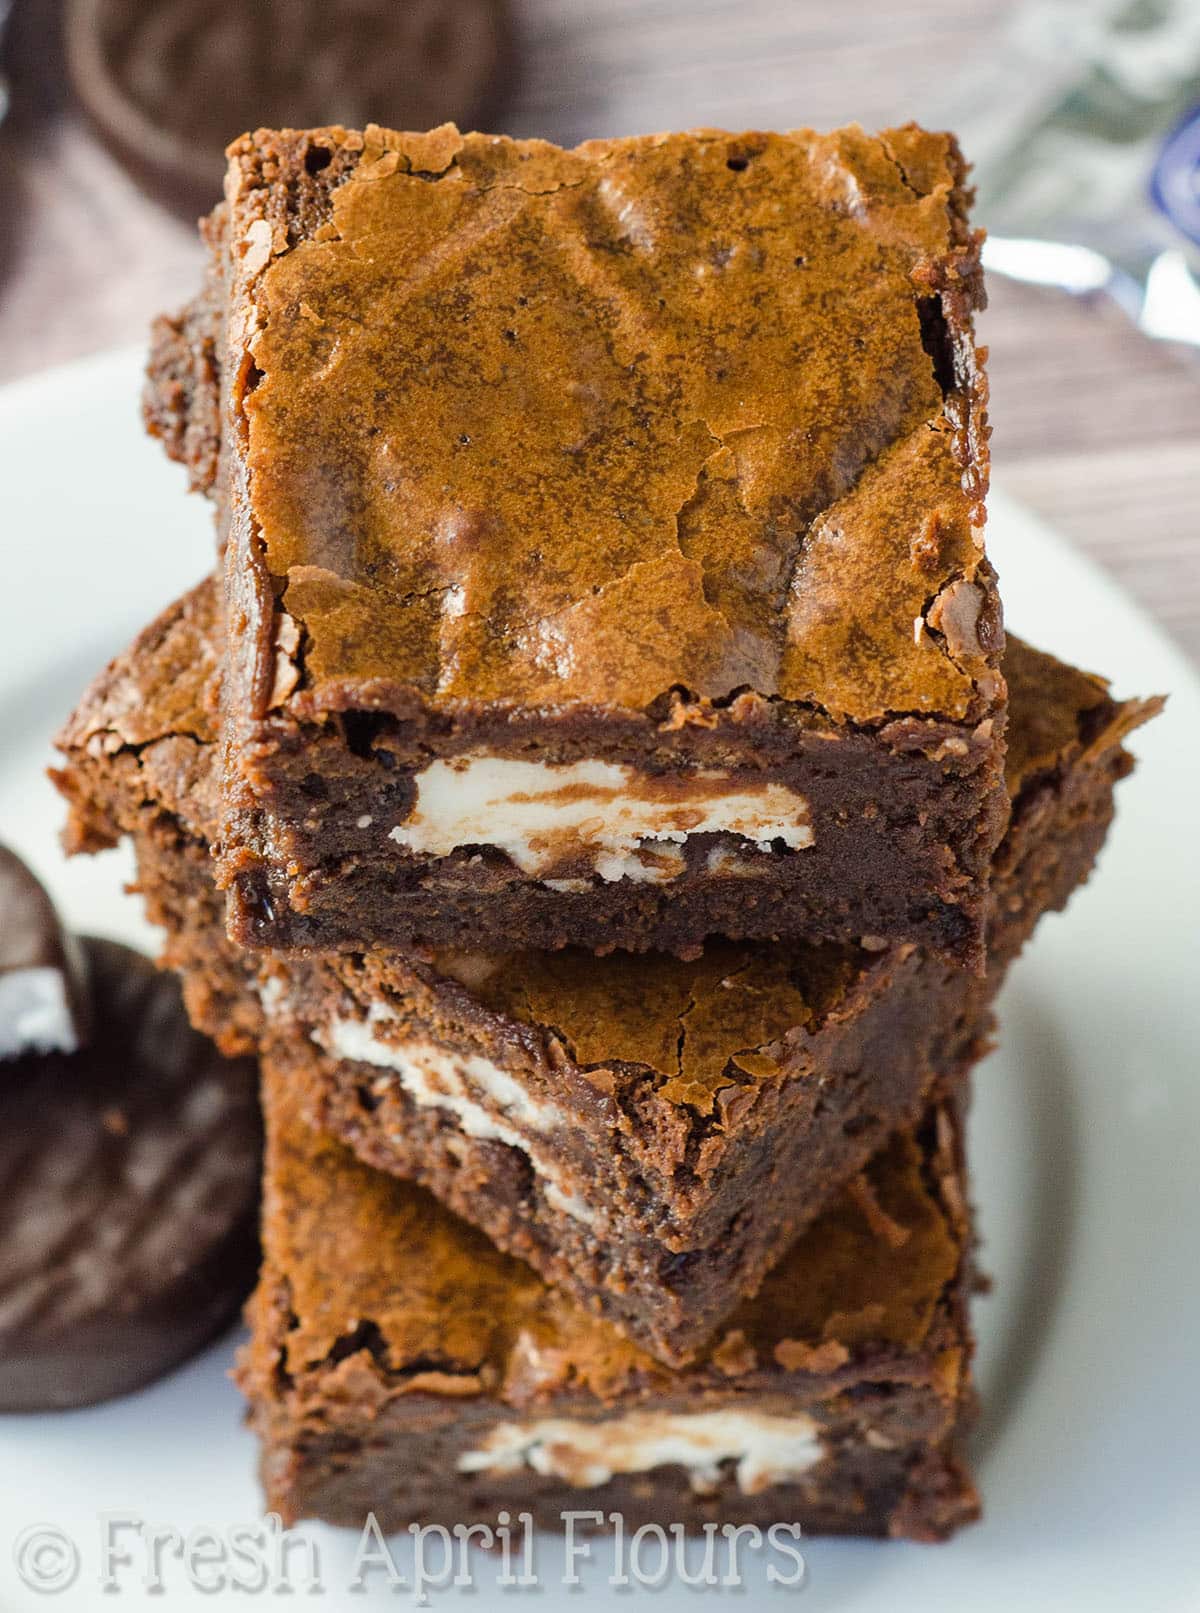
400 1364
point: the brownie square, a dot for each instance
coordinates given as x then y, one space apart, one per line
649 1133
400 1364
603 540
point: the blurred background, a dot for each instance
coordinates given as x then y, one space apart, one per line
1082 116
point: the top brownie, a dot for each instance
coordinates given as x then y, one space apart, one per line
603 541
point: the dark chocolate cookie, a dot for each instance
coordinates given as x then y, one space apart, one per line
169 83
129 1178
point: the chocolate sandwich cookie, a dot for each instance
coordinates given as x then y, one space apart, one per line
128 1195
170 83
43 990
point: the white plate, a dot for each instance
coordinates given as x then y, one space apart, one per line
1084 1135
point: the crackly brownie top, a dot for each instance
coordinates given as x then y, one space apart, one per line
368 1259
738 1004
1060 714
529 425
157 701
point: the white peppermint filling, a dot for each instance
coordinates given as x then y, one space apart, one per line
272 994
768 1450
624 823
435 1079
729 862
35 1015
568 1203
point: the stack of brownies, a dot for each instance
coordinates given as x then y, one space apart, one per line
597 785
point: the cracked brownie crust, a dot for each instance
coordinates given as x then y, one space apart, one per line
647 1132
400 1364
604 541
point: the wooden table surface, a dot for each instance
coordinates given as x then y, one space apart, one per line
1095 427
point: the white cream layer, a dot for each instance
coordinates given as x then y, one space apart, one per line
546 815
767 1450
35 1015
436 1079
